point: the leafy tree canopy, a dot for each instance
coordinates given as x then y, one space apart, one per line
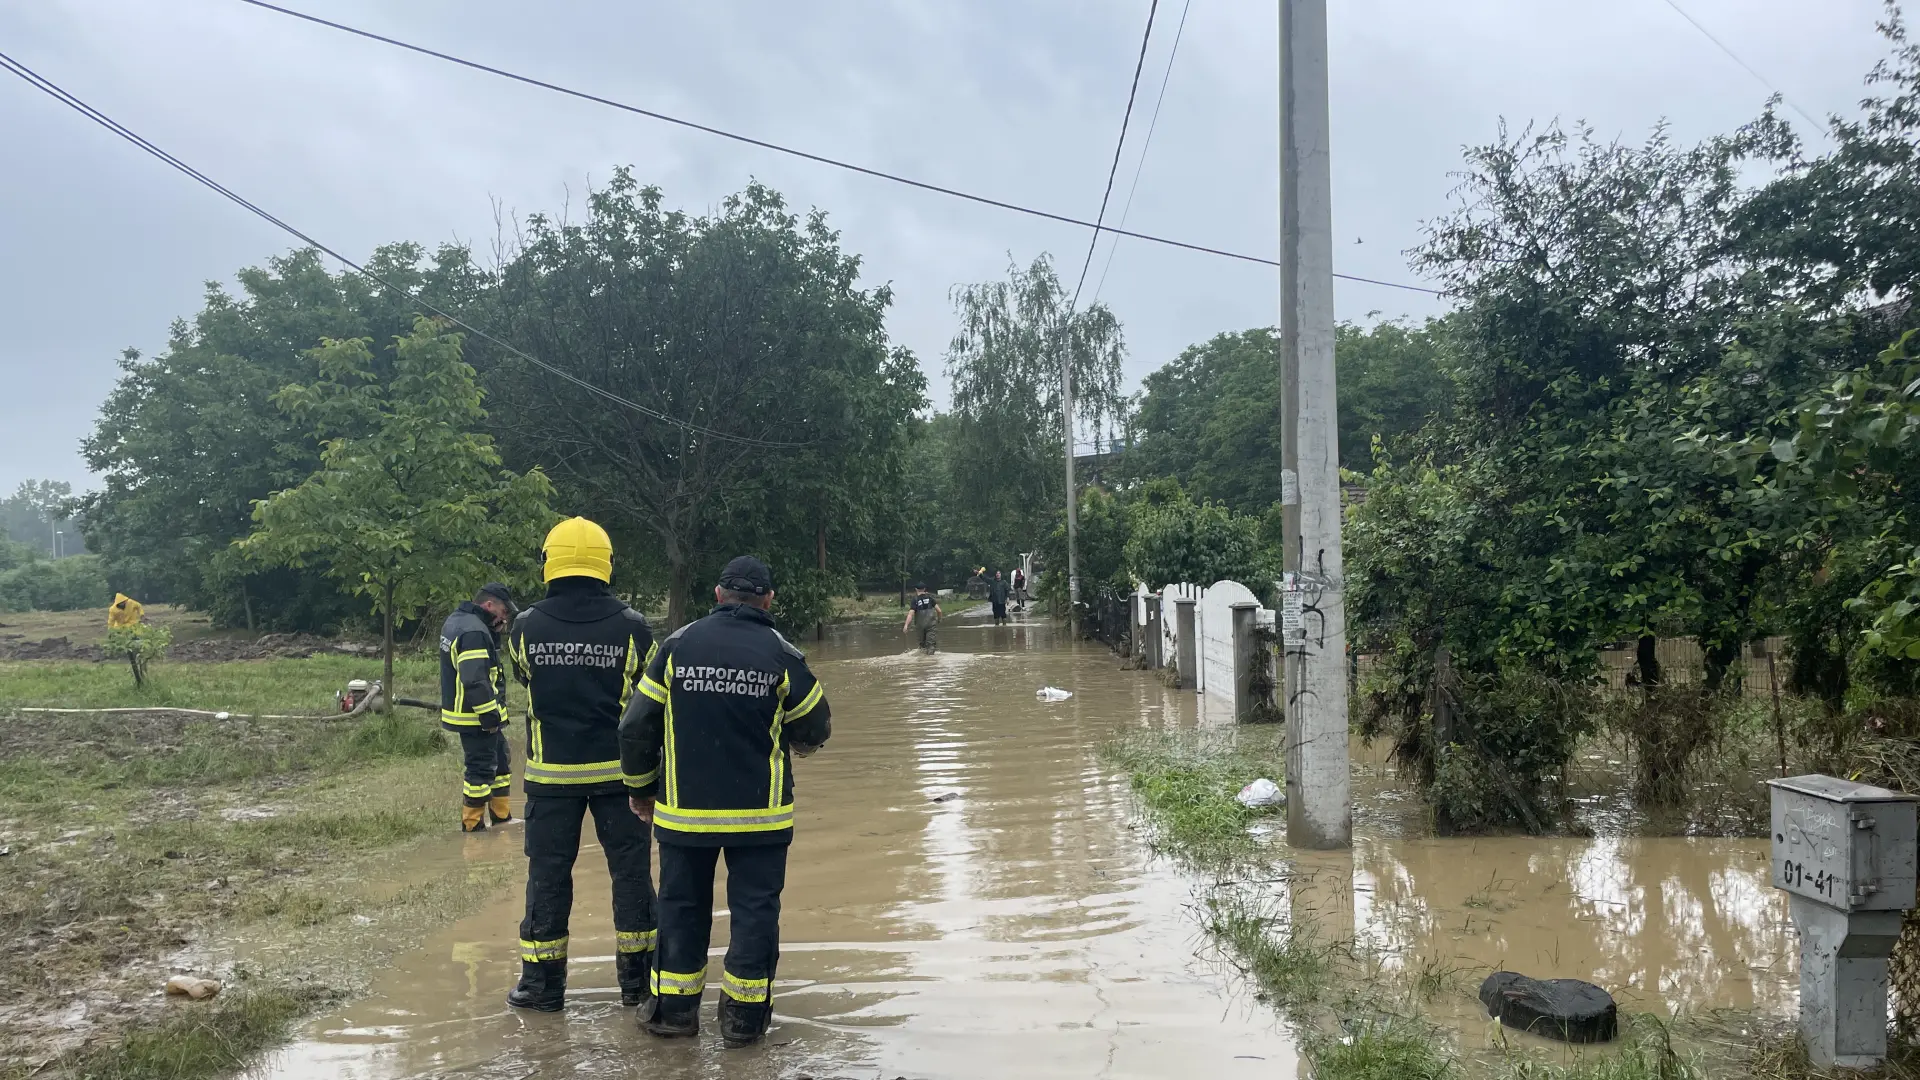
409 505
1211 417
188 440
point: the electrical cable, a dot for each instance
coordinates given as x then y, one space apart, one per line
763 144
53 90
1133 91
1146 144
1751 70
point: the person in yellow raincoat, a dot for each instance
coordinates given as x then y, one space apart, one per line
124 611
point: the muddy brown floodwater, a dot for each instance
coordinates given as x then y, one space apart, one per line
969 896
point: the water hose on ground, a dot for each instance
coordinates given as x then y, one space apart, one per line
366 704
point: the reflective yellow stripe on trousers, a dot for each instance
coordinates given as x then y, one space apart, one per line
685 984
633 941
752 991
535 952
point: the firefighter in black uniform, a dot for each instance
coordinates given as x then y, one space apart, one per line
722 703
473 703
580 651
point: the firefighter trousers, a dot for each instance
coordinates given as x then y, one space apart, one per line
489 766
755 876
553 841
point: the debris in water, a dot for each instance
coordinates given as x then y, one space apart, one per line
1052 693
1566 1009
1260 794
945 797
189 986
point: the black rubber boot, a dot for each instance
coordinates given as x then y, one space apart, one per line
542 988
635 971
675 1016
743 1025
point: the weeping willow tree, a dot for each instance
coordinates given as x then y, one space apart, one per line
1005 363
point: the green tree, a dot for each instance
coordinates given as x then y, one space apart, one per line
188 440
777 414
1210 419
409 504
1175 539
1004 364
35 510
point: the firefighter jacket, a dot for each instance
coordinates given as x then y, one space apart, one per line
473 682
721 704
580 652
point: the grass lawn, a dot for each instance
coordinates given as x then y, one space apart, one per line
294 687
129 836
88 626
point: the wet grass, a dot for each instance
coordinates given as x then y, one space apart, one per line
1781 1056
295 687
89 626
1382 1049
1645 1053
1285 956
128 836
197 1039
1188 789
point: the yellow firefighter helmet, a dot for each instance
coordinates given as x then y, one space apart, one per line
578 548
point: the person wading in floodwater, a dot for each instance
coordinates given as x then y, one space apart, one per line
923 614
722 705
997 596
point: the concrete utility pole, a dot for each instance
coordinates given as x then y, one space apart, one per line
1073 497
1313 611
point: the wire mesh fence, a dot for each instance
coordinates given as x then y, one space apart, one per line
1108 617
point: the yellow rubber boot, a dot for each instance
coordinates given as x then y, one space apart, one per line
473 819
501 809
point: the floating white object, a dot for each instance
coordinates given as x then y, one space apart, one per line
222 716
1052 693
1261 793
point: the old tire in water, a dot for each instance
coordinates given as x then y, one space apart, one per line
1565 1009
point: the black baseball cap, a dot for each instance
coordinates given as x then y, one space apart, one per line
747 574
501 593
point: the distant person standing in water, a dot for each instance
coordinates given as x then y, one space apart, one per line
997 595
923 614
1019 589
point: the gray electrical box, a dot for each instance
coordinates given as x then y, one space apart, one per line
1852 847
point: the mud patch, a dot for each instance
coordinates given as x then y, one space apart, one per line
198 651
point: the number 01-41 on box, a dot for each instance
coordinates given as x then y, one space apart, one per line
1850 846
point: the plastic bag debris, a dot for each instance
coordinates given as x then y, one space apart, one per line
1261 793
1052 693
188 986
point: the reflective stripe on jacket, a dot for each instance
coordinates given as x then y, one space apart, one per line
721 704
580 653
473 682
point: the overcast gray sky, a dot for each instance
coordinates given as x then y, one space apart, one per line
359 144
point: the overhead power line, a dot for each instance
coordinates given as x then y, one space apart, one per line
821 159
1146 144
53 90
1751 70
1126 118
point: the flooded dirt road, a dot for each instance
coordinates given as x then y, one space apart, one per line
969 896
